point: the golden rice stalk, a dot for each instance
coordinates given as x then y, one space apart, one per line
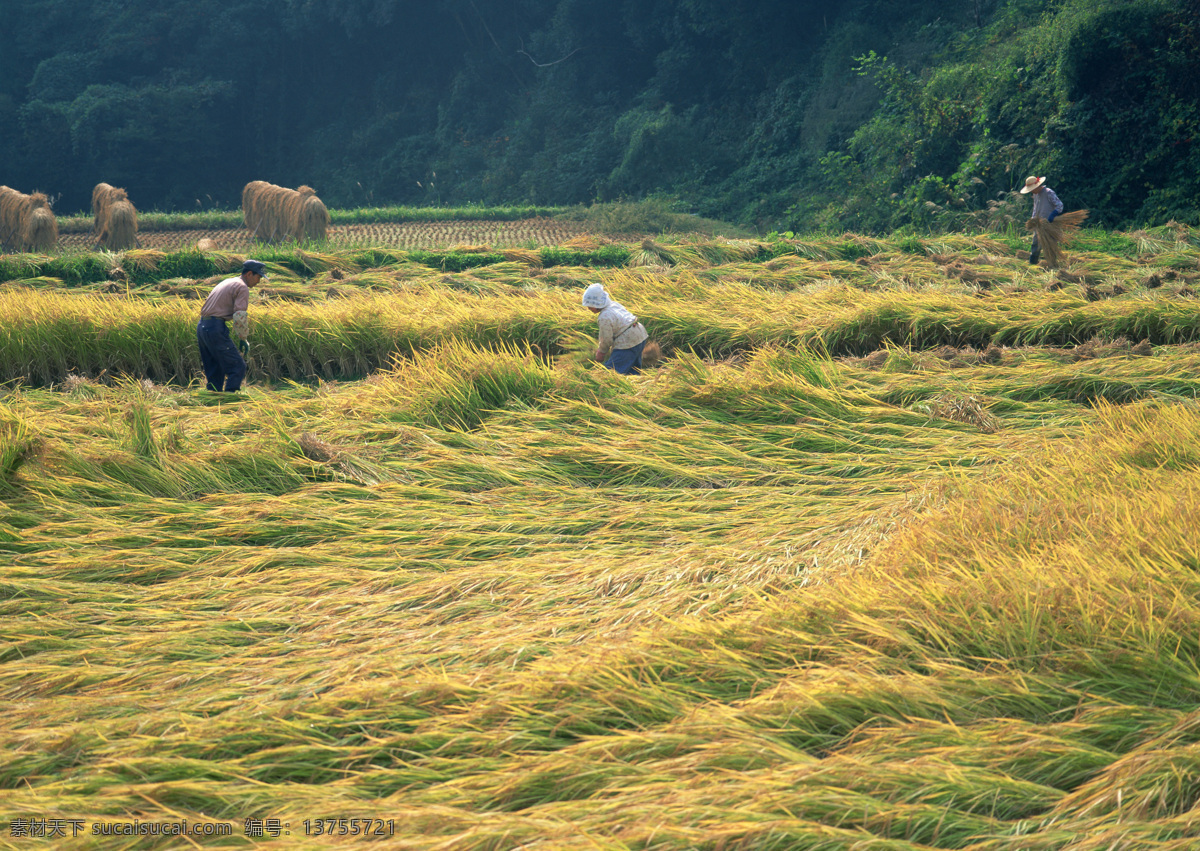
206 244
142 259
1052 236
963 409
316 449
721 251
583 242
339 459
651 354
317 263
530 258
651 254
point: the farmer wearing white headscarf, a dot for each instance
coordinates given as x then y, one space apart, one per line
621 338
1045 206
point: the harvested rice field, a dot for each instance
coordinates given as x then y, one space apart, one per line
893 549
537 232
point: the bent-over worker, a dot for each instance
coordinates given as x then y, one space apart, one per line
621 337
228 303
1045 206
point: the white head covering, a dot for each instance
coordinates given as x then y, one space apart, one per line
595 296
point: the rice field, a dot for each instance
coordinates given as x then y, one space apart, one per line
895 549
419 234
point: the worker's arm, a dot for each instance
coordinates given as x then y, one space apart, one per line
605 340
1056 205
241 304
241 323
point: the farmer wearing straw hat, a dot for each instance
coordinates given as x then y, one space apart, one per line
1045 206
229 301
621 338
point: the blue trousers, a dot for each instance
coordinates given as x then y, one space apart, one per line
626 361
224 368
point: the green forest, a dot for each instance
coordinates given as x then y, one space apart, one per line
780 115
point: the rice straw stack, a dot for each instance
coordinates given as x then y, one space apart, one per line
275 213
115 217
26 221
39 230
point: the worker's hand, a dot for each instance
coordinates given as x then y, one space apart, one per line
244 346
1050 217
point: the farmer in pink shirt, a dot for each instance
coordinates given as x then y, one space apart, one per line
229 301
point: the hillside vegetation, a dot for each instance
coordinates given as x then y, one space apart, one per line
778 115
895 549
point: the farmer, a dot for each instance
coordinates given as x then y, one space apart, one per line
1045 205
621 338
224 367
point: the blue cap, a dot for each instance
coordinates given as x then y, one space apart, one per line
256 267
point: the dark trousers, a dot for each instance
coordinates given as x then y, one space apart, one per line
626 361
1035 252
223 365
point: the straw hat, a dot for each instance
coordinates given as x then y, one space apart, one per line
1032 183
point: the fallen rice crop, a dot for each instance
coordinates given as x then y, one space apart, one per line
876 557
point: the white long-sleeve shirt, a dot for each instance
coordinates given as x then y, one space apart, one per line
619 329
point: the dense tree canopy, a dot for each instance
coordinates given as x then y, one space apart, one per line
872 114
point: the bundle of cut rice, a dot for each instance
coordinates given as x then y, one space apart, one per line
26 221
13 207
275 213
1052 236
115 218
39 231
651 354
